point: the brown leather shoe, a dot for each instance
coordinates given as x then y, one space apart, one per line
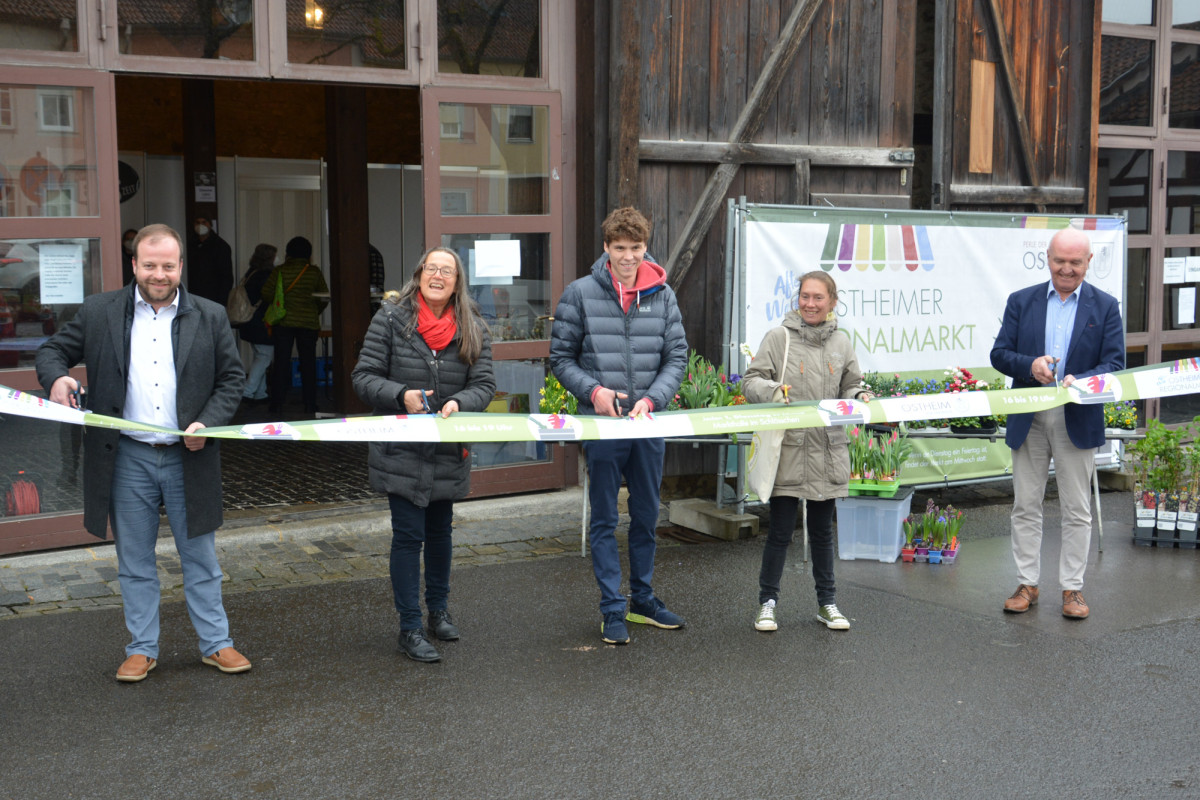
1073 605
1024 597
135 668
228 660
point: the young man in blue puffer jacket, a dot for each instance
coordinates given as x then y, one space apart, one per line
618 345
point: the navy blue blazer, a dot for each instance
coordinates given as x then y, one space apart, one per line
1097 346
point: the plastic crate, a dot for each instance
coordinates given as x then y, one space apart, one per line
871 528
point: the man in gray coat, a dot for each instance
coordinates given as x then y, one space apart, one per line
618 345
160 356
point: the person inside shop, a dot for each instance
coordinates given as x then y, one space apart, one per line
618 345
127 255
254 332
210 263
300 326
1059 331
179 368
378 275
427 351
814 463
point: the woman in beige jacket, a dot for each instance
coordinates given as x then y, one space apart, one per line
814 464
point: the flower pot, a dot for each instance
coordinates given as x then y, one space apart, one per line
1144 505
935 556
961 429
908 553
922 555
948 556
1168 513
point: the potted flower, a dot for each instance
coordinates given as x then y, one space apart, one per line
556 399
894 450
960 379
954 522
860 447
1121 416
1159 461
911 526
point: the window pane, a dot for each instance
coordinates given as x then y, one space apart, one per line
1135 356
47 455
47 152
1126 75
1183 192
1185 80
52 27
1130 12
490 37
1175 295
346 33
494 159
1182 408
518 387
1137 268
509 277
1184 14
218 29
1123 186
42 283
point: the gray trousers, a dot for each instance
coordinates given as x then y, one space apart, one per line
1073 470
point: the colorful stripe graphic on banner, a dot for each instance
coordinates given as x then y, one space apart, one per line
1160 380
877 247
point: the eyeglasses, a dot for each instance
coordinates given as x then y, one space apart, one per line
446 272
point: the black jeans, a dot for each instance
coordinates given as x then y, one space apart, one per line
413 529
305 340
779 535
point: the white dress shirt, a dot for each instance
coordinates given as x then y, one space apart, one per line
150 390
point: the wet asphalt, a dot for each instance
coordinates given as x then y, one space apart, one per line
934 692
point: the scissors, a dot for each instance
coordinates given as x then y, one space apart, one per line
425 402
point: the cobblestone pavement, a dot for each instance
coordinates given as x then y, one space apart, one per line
298 547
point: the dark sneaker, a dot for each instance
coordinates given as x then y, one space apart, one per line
653 613
417 647
442 626
613 629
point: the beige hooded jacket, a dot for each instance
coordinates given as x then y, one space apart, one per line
815 462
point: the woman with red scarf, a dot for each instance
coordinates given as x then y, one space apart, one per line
427 352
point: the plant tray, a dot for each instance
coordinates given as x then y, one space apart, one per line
874 489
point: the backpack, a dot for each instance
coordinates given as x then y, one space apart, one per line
238 307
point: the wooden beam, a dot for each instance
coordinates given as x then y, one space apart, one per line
774 154
624 106
943 106
802 188
1094 111
983 111
1010 80
349 278
758 104
972 194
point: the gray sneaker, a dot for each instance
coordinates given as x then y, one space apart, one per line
833 619
766 617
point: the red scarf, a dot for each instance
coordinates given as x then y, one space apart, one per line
437 332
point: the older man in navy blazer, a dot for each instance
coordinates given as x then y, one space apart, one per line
1060 331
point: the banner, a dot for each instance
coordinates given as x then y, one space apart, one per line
1160 380
918 290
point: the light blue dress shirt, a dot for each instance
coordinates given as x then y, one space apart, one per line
1060 322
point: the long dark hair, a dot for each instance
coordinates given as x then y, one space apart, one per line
466 312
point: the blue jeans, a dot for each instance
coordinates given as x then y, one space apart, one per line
143 477
414 527
640 461
256 376
779 535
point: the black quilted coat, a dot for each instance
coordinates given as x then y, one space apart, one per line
395 359
594 343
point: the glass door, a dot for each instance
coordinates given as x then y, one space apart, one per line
493 193
60 241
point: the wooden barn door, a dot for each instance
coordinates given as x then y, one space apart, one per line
1014 127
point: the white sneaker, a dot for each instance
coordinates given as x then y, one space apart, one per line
833 619
766 617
